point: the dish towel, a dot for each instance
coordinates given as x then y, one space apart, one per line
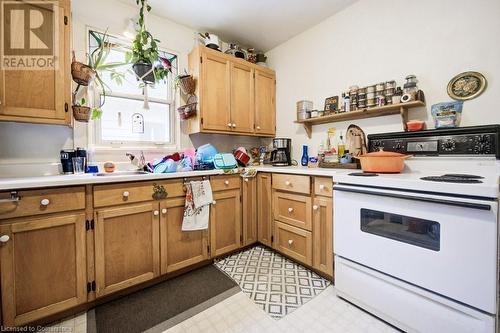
197 206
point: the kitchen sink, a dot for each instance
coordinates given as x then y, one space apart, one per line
121 173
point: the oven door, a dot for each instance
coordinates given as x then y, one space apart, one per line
443 244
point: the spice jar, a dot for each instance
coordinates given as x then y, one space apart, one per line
410 87
380 100
396 98
379 87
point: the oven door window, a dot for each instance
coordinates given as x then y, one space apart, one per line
406 229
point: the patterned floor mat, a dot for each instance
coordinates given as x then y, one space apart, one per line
272 281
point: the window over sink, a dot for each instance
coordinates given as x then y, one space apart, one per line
128 121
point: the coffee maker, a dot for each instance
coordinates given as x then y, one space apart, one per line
281 155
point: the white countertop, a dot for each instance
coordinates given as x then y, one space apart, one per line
20 183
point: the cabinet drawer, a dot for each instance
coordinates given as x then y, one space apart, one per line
221 183
323 186
36 202
294 209
294 242
292 183
116 194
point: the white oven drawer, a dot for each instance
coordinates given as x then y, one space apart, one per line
446 247
405 306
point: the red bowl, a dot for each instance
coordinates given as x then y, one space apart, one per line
415 125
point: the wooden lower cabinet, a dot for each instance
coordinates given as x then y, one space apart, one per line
179 249
249 206
127 248
225 222
43 267
264 208
294 242
323 235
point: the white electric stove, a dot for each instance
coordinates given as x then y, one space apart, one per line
420 249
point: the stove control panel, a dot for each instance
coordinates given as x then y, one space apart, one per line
440 142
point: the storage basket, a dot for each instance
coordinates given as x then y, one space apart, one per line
81 113
81 73
187 84
188 110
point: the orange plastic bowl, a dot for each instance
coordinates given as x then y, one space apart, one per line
415 125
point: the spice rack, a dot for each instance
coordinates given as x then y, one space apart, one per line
401 108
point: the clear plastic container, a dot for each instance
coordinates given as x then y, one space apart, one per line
304 105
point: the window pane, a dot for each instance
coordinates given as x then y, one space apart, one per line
125 120
406 229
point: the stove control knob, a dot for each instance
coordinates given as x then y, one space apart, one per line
398 146
448 145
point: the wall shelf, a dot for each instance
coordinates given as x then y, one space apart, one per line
385 110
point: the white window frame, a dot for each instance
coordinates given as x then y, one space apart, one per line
103 147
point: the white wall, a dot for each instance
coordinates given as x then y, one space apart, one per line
28 149
379 40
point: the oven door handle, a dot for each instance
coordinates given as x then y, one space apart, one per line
463 204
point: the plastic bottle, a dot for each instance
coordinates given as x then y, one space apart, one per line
347 103
305 156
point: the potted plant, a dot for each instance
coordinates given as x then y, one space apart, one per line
81 112
144 54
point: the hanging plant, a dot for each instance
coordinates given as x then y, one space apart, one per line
148 66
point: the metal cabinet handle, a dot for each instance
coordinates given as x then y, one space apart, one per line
14 197
290 209
45 202
4 238
290 242
164 211
156 213
125 194
315 207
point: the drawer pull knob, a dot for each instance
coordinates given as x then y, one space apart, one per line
226 182
290 242
214 202
258 127
126 194
315 207
229 125
156 213
45 202
164 211
4 238
246 179
287 183
290 209
322 187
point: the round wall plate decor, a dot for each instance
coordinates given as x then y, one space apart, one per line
466 85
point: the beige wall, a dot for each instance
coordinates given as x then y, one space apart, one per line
379 40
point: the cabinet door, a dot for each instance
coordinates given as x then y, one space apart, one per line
43 267
264 211
179 248
265 103
249 211
323 235
242 98
126 246
225 222
215 94
40 96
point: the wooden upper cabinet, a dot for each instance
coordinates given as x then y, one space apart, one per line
127 250
233 95
179 248
216 90
43 95
265 103
43 267
242 98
